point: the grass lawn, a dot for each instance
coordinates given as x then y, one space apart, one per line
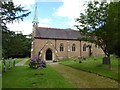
95 66
0 82
27 63
16 61
20 59
25 77
84 79
0 79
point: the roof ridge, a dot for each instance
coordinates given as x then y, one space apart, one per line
49 28
47 32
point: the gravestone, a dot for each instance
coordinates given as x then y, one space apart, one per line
4 64
106 60
84 58
95 56
14 62
79 59
10 63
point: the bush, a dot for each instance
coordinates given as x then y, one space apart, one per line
36 62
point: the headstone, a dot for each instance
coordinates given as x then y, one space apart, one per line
84 58
95 57
79 58
10 63
4 64
14 62
80 61
106 60
75 60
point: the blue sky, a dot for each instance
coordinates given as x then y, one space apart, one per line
51 13
46 10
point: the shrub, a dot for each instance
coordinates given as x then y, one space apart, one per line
36 62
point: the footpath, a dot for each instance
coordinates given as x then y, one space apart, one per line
21 63
84 79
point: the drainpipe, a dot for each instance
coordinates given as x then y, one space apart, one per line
67 49
55 43
80 49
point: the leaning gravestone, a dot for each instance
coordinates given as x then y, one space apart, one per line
10 63
4 64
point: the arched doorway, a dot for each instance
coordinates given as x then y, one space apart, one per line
48 54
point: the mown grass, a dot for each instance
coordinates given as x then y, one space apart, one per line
95 66
84 79
25 77
0 82
20 59
0 75
28 61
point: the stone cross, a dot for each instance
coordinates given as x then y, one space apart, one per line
4 63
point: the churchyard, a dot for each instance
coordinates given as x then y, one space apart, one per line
25 77
70 73
96 33
94 65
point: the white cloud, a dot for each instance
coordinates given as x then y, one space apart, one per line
24 2
48 0
71 9
43 25
25 27
44 20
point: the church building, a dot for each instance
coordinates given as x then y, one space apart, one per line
54 43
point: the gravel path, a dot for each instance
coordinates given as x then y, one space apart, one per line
21 63
84 79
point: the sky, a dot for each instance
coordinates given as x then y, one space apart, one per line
51 13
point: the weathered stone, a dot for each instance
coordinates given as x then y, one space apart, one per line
14 62
80 61
10 63
106 60
4 63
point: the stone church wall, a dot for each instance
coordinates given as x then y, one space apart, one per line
43 44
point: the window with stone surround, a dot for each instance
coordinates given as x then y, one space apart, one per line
61 47
84 47
73 47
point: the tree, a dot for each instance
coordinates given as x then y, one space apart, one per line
99 25
114 24
16 45
10 13
12 44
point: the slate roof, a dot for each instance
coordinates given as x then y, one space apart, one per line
55 33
